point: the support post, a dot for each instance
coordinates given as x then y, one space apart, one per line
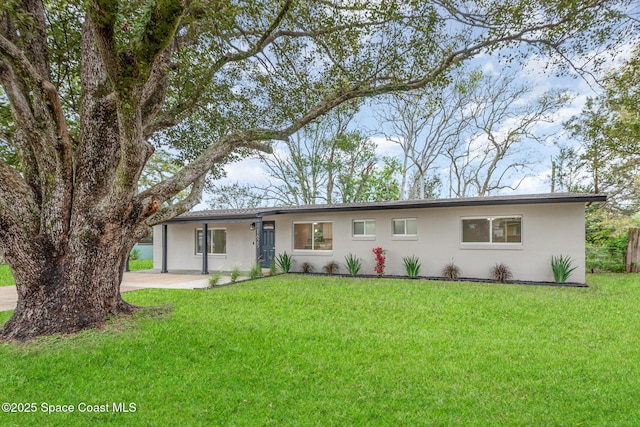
164 249
205 248
633 251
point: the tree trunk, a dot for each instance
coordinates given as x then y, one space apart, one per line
633 251
65 291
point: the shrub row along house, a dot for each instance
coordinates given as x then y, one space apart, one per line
522 232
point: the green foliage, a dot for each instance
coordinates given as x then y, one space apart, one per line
134 254
235 273
501 273
601 259
284 261
214 279
306 267
272 268
412 266
331 267
609 129
562 268
255 271
353 264
450 271
607 238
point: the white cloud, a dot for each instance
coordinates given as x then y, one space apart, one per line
385 147
247 171
536 184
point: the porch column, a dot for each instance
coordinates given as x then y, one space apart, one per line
205 248
164 249
258 226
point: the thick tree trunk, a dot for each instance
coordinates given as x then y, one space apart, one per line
67 291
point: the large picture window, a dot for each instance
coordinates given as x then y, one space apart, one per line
507 229
313 236
405 227
364 228
216 241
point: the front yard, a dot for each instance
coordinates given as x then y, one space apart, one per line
297 350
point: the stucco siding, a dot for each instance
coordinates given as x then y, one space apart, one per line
547 229
181 248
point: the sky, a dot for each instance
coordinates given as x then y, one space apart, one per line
532 73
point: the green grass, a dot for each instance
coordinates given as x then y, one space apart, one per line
141 264
319 351
6 277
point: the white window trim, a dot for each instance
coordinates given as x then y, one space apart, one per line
195 243
405 235
364 236
313 240
492 244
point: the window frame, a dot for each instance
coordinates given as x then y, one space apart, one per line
313 237
364 235
209 240
491 219
405 234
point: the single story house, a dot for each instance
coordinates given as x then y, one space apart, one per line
521 231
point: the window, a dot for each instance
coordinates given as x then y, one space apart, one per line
364 228
492 230
216 241
405 227
313 236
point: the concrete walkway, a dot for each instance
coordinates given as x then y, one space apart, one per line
130 282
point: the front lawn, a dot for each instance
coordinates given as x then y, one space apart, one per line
295 350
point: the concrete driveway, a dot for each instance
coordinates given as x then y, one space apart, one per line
130 282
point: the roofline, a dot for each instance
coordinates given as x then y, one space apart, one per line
258 214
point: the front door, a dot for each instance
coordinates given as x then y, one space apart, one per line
268 243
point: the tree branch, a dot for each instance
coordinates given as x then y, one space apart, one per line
182 206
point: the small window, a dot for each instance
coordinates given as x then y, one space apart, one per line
313 236
492 230
364 228
405 227
216 241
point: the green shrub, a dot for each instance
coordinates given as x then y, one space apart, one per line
235 273
353 264
331 268
562 268
605 259
134 254
501 273
284 262
255 271
412 265
451 271
214 279
272 268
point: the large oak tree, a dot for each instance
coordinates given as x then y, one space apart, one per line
90 88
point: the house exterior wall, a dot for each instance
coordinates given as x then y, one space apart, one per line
181 247
547 229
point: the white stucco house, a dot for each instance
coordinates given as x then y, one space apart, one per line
521 231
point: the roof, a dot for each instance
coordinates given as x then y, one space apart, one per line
256 213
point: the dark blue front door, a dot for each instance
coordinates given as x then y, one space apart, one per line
268 243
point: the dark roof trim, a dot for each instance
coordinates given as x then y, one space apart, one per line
257 213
